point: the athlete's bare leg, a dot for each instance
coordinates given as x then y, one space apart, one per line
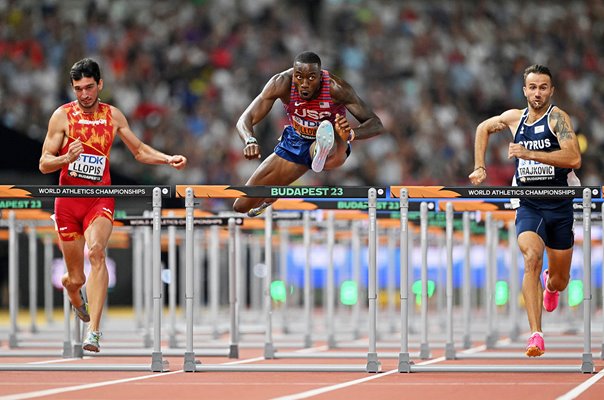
532 248
97 236
274 170
74 279
559 268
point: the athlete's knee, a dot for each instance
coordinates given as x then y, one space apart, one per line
558 281
73 282
96 255
533 261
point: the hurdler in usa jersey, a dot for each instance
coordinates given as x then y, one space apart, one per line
305 116
318 134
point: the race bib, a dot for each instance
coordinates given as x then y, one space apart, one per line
529 170
88 166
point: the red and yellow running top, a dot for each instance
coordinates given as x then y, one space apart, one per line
95 131
306 115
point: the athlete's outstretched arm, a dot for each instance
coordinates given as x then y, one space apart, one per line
569 155
370 124
50 161
277 87
483 130
143 152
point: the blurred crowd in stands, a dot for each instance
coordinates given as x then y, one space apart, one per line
184 70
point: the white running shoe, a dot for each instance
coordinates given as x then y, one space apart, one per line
323 144
254 212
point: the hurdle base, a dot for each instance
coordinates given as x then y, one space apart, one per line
67 350
587 364
450 351
491 340
234 351
307 341
424 351
373 364
467 342
78 351
13 343
515 333
404 363
331 342
269 351
158 364
189 363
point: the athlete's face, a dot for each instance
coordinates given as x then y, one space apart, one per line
538 90
307 79
87 92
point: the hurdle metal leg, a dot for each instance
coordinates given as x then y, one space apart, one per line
467 283
424 352
514 285
308 298
233 279
404 361
48 288
13 279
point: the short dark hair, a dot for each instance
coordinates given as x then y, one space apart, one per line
308 57
538 69
86 67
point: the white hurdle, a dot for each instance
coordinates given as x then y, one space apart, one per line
158 364
586 365
372 363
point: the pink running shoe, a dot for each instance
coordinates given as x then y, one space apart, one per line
550 299
536 346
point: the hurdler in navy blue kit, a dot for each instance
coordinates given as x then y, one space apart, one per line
546 151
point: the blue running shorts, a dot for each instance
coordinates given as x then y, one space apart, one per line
555 227
293 147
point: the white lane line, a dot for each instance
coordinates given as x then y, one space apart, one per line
315 392
50 392
251 360
574 393
313 349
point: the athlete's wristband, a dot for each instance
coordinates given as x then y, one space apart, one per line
481 167
351 136
251 140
